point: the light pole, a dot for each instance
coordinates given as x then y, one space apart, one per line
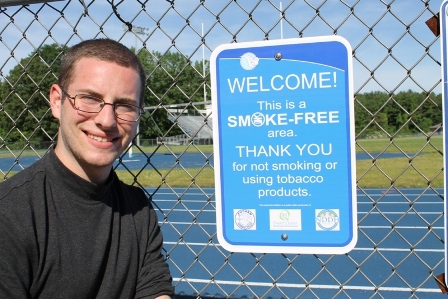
281 21
203 62
136 30
142 31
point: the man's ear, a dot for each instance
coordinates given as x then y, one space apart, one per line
56 100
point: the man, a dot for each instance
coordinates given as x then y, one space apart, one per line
68 227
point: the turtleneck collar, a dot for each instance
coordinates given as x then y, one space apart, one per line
94 193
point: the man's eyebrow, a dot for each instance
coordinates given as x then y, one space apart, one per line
90 92
127 101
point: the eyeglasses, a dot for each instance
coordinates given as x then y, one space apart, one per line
91 104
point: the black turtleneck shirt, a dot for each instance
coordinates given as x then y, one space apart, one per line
64 237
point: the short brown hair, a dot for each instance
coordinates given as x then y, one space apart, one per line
101 49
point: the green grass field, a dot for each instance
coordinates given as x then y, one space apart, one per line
424 166
418 171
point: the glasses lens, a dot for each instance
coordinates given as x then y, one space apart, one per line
88 103
127 112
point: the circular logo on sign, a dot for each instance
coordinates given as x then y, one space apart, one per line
248 61
327 219
257 119
244 219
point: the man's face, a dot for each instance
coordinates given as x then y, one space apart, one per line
89 143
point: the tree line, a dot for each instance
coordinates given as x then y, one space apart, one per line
173 79
404 113
24 104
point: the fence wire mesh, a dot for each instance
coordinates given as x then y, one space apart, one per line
398 104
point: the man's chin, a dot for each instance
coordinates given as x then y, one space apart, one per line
102 160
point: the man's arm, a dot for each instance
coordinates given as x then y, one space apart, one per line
155 278
14 262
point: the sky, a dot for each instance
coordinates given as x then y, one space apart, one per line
389 38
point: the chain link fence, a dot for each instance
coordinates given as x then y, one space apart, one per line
397 98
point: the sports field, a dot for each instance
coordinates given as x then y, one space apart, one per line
399 247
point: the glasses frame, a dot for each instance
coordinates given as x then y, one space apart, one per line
114 105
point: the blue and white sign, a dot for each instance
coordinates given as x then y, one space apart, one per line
283 125
444 54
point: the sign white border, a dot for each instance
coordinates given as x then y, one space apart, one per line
217 154
444 50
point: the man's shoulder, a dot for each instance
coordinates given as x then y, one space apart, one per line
135 197
130 191
21 197
26 181
133 191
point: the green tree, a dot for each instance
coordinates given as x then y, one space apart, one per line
25 115
371 113
404 112
172 79
24 107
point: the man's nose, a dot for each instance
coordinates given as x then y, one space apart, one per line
106 117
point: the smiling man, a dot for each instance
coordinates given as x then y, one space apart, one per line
69 228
